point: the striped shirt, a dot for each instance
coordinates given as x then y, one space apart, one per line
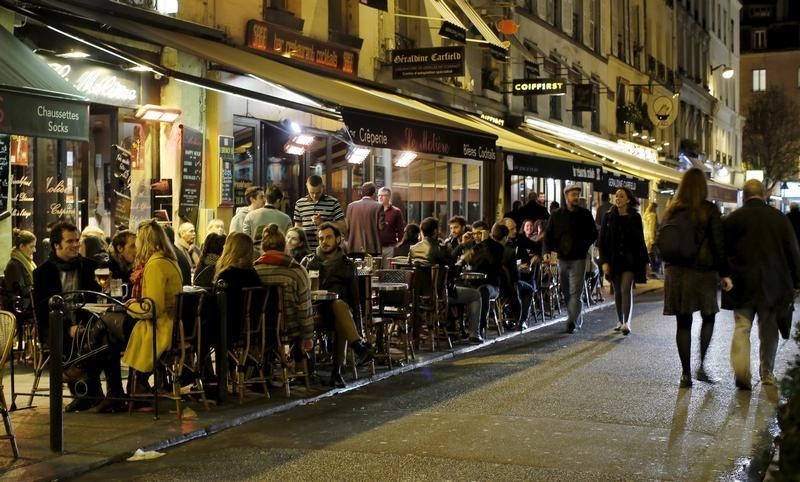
298 322
327 207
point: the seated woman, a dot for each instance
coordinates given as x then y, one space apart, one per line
297 243
235 267
160 280
207 264
275 266
410 238
18 275
122 255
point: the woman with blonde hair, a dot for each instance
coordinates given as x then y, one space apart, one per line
235 268
158 278
691 286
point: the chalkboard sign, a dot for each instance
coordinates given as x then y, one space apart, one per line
4 176
191 174
226 159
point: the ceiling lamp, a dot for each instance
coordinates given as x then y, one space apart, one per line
73 54
405 158
294 149
357 154
303 139
158 113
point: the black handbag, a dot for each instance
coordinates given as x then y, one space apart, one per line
783 318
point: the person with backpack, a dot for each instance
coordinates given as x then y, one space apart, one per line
692 246
623 254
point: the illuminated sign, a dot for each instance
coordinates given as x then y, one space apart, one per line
637 150
99 84
539 87
428 62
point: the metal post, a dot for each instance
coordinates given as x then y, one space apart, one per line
56 340
222 348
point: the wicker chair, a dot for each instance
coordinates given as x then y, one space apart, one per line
8 328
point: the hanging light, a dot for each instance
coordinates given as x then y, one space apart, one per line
357 154
303 139
294 149
405 158
157 113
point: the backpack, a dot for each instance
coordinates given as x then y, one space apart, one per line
677 239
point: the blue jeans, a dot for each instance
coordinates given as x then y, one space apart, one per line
487 292
471 299
571 275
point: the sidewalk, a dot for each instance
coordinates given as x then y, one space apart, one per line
94 440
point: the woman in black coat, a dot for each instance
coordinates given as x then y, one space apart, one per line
623 254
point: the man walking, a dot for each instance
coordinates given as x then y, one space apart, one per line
316 208
362 221
390 224
570 233
765 262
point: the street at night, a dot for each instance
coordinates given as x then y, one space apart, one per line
542 406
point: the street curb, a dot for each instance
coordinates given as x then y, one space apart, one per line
60 467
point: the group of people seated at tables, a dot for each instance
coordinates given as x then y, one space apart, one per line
152 264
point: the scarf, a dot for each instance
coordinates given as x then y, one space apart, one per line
25 261
62 265
277 258
136 282
327 259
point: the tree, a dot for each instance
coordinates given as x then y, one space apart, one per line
771 136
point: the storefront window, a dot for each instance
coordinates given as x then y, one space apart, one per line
474 211
245 150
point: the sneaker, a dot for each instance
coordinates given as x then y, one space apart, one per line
626 329
686 381
769 379
703 376
618 327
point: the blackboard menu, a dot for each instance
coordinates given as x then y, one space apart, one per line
191 174
4 176
226 159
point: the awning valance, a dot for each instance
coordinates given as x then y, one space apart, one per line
547 167
614 179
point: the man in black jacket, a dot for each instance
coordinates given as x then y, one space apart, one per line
765 262
570 233
337 273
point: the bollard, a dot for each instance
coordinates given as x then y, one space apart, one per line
222 348
56 340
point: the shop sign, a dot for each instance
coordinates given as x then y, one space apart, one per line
539 87
272 39
5 172
226 160
379 4
612 181
36 116
453 32
428 62
637 150
191 173
545 167
99 84
399 134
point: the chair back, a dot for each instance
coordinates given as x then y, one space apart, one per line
273 313
400 299
8 330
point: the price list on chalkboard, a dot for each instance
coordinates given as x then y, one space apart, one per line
226 159
191 173
5 172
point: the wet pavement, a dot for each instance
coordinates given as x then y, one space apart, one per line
540 406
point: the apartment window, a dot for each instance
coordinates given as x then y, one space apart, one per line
593 42
759 80
759 39
343 17
555 107
289 5
407 29
531 102
577 20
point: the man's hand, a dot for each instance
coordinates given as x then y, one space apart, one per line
317 219
726 283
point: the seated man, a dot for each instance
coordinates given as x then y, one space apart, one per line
428 252
337 273
66 270
517 293
486 257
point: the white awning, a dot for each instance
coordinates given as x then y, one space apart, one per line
447 14
476 19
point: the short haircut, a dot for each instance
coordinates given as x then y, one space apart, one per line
120 239
57 233
480 225
251 193
499 231
184 227
314 180
458 220
368 189
385 190
753 188
274 194
429 226
327 225
604 196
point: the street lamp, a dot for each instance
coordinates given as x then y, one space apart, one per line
727 72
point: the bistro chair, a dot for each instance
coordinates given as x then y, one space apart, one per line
8 328
393 314
39 353
432 302
279 346
249 354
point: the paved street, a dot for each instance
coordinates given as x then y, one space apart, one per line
543 406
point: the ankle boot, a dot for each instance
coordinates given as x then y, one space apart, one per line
364 352
337 381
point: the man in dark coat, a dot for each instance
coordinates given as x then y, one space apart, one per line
534 209
570 233
794 218
362 222
765 259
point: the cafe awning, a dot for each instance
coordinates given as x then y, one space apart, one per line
34 99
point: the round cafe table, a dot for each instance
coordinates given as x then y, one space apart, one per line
472 276
322 295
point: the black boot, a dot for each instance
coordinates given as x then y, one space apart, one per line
337 381
364 352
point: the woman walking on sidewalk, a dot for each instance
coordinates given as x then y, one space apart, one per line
623 254
691 285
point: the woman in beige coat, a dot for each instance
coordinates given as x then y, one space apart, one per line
158 278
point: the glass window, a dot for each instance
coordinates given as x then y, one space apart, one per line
457 189
245 149
759 39
555 107
759 80
474 211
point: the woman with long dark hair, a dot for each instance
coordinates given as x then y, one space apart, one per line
692 285
410 238
623 255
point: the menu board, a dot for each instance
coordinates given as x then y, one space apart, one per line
226 160
4 176
191 174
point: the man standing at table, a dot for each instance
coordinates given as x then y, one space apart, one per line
362 220
390 224
316 208
570 233
337 273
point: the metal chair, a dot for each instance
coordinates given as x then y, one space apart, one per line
249 353
40 357
279 346
432 301
8 328
392 314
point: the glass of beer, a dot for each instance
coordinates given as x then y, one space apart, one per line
103 278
